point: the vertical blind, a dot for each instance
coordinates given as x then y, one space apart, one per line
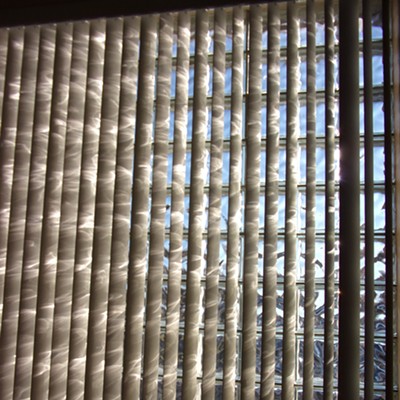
169 205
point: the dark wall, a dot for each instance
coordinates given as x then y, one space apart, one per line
22 12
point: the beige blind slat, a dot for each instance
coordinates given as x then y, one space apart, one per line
158 210
3 66
122 209
141 185
271 206
234 221
214 217
197 181
329 200
290 263
69 212
51 213
12 212
177 209
309 295
104 211
18 211
252 193
87 196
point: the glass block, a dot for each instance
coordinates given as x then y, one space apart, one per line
281 211
320 72
317 394
282 120
166 257
283 70
379 396
173 82
162 351
264 76
225 167
377 31
164 301
379 210
191 80
263 164
219 390
189 123
279 308
280 263
380 311
379 362
171 125
258 354
378 117
379 260
220 355
282 164
227 124
228 80
319 167
259 307
278 359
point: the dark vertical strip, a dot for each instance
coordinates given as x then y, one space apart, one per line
214 218
251 235
369 204
122 209
387 65
18 217
104 209
349 251
309 295
197 180
289 320
329 323
234 221
177 208
85 225
271 205
69 213
158 197
51 213
140 204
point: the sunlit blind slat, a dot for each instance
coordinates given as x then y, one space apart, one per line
69 213
18 214
252 193
87 198
309 295
10 236
177 208
139 223
271 206
158 197
103 211
292 125
234 213
214 218
196 216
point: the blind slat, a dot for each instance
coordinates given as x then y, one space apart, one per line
252 193
69 213
104 209
141 183
18 212
122 209
87 198
271 206
177 209
234 216
289 324
197 181
157 227
214 218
